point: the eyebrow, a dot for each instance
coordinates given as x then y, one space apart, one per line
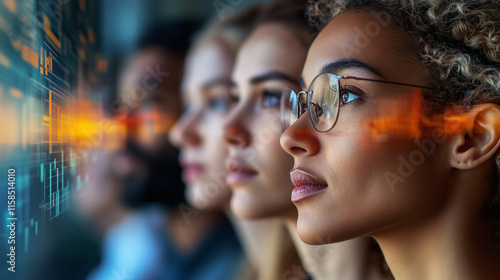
217 82
344 64
272 75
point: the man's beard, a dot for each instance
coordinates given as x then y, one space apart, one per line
161 183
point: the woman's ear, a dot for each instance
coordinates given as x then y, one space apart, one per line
479 140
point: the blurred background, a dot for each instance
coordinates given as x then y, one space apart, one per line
60 67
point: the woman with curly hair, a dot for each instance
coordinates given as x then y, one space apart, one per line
270 59
402 133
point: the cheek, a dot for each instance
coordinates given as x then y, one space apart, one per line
210 194
266 129
275 162
380 185
213 143
372 185
274 166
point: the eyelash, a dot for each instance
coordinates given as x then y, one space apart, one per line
267 95
350 90
218 104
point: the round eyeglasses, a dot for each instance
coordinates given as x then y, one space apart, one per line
322 100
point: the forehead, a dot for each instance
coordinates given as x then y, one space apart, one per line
372 40
209 61
270 47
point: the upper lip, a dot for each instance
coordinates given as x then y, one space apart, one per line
186 162
300 178
234 165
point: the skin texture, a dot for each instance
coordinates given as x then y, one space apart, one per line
253 128
198 133
269 49
435 204
206 93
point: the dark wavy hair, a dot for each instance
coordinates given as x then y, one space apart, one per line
458 41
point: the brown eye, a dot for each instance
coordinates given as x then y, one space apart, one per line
345 98
348 96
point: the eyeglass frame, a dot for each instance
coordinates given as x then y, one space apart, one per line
309 92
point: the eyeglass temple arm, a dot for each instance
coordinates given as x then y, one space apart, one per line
385 82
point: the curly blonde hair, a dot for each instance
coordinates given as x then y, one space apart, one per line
458 41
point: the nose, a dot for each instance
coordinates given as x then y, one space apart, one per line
185 131
300 139
235 130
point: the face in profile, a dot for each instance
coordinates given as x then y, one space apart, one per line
342 185
270 60
150 102
198 134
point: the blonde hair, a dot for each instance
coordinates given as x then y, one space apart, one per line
232 31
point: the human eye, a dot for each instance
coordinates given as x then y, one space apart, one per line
218 104
271 98
349 94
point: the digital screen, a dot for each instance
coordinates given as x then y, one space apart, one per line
48 63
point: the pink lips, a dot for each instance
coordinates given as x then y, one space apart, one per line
238 172
305 185
191 170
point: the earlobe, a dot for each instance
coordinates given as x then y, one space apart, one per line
479 140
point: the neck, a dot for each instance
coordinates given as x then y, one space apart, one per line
343 260
188 226
252 234
452 244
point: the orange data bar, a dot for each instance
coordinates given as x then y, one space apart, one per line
46 28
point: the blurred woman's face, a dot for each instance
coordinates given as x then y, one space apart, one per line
354 183
198 134
270 60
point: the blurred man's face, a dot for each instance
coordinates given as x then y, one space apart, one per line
149 93
150 98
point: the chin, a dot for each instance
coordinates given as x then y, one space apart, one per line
196 198
316 231
242 212
244 207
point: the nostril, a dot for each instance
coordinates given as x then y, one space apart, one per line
297 140
236 136
297 150
185 131
231 140
191 138
188 134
